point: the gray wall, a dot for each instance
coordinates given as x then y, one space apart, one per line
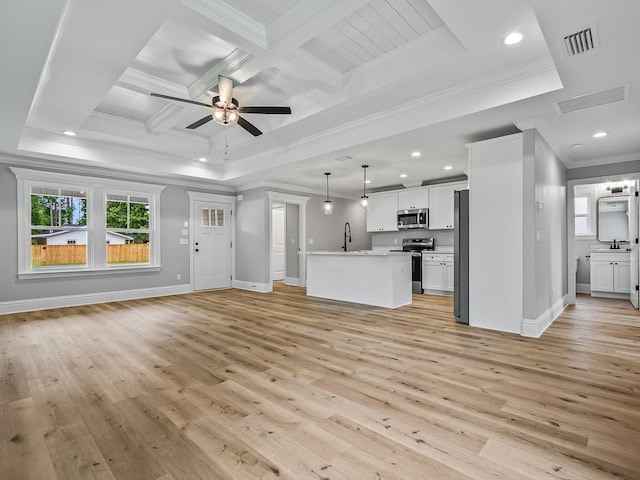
292 237
603 170
252 237
544 227
326 231
174 209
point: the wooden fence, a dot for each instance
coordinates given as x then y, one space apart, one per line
43 255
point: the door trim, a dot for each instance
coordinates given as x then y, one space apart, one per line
212 198
302 233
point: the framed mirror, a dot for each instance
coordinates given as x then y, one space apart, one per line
613 218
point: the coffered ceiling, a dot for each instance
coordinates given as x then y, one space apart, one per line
368 81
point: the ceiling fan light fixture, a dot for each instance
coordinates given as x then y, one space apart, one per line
225 115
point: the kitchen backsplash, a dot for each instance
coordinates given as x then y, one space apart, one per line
441 237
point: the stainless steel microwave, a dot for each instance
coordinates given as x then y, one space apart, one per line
413 218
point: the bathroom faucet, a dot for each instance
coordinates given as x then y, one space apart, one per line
347 228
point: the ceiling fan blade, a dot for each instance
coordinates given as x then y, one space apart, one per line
267 110
200 122
249 127
225 89
180 99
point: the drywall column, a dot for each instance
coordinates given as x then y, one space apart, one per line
496 233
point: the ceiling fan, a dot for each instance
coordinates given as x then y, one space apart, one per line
226 109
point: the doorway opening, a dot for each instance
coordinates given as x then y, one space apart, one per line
287 234
602 225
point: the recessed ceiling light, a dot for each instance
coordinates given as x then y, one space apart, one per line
367 181
448 167
600 134
513 38
404 175
69 133
576 145
202 159
416 154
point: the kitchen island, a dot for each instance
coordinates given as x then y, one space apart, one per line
370 277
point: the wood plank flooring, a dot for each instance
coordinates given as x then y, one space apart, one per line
234 385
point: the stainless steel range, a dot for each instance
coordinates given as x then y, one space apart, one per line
416 246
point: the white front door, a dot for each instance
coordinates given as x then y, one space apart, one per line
277 243
212 245
634 220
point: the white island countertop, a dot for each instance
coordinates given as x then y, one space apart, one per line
370 277
375 253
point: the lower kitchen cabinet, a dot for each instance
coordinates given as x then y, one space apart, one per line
610 274
437 273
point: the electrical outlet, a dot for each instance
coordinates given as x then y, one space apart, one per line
395 241
178 277
311 241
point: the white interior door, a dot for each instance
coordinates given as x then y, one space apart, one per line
277 243
212 245
634 265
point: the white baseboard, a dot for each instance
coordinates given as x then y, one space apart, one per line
295 282
620 296
583 288
535 328
253 286
16 306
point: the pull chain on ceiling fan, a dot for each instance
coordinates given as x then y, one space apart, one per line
227 110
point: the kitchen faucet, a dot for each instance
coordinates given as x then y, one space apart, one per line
347 227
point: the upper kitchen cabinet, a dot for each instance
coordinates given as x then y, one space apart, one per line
413 198
441 205
382 212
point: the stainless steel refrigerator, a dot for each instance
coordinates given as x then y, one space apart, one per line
461 256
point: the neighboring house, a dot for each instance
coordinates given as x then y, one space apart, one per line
76 237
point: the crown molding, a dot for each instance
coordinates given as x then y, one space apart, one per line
290 188
73 168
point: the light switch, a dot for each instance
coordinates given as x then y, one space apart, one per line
538 235
186 224
185 232
184 241
311 241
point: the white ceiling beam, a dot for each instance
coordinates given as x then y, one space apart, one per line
81 77
225 67
230 22
29 28
315 70
141 82
302 22
163 119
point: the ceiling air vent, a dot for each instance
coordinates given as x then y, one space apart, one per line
581 42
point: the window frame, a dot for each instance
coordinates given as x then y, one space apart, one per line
590 215
97 189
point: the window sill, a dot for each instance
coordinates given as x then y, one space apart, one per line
88 272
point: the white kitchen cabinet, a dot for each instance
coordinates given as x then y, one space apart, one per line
610 274
437 273
382 212
413 198
441 205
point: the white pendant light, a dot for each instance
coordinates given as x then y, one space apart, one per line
328 205
364 199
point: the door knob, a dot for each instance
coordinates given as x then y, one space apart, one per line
197 249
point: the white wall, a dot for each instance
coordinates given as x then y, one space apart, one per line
495 234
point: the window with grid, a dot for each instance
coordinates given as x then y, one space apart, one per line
128 234
68 224
58 226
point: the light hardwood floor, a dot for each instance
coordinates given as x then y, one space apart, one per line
235 385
